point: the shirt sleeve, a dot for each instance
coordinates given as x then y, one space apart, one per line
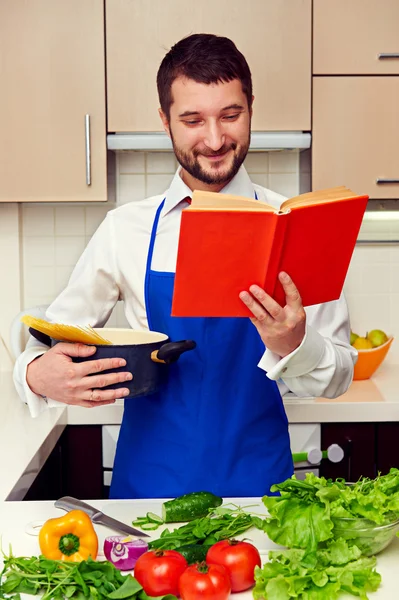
322 365
91 294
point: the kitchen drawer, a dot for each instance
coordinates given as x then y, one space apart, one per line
350 37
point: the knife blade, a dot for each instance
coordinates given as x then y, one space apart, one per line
96 516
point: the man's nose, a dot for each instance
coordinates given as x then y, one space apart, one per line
214 136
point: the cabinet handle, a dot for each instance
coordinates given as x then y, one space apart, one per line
382 180
88 157
334 453
385 55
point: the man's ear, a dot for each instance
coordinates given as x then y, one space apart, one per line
165 121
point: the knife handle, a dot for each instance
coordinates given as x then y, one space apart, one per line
70 503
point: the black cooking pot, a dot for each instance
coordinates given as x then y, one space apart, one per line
147 355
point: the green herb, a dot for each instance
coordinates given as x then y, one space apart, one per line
221 523
55 579
337 569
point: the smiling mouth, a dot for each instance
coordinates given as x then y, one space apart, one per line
216 157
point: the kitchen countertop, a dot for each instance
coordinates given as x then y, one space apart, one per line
16 516
28 442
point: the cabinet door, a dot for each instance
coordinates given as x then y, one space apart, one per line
52 75
350 37
355 134
359 445
273 35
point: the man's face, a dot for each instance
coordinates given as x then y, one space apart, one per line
209 127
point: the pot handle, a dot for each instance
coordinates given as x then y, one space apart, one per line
170 352
41 337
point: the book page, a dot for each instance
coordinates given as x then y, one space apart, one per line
215 201
328 195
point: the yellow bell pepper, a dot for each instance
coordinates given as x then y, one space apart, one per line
71 537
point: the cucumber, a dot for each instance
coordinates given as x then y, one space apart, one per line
194 553
153 518
189 507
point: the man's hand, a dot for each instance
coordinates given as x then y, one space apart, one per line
281 329
55 375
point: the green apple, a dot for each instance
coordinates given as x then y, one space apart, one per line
354 337
377 337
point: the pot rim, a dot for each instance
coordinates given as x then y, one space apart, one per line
145 336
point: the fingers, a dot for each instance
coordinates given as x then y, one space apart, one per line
102 380
262 306
74 349
98 396
292 295
101 364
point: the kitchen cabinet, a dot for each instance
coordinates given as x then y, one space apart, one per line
355 134
356 37
74 467
358 441
274 36
52 105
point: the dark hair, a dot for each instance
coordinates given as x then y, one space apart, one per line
205 58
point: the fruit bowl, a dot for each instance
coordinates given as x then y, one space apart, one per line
370 359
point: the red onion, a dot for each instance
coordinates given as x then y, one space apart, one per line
123 552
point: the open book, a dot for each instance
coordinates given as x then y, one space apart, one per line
228 243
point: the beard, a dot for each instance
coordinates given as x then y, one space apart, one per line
189 161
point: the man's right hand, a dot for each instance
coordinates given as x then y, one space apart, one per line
54 375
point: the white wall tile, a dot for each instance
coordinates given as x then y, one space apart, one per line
131 162
284 162
257 162
94 216
68 250
286 184
40 282
10 260
69 220
131 188
161 162
62 275
157 184
37 220
38 251
260 179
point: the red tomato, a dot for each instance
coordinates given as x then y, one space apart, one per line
158 571
240 560
207 582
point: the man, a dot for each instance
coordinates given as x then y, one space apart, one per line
219 422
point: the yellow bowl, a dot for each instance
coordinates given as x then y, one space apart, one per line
369 360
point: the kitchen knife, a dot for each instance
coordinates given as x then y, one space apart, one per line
97 517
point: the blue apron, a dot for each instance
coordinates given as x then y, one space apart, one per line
218 424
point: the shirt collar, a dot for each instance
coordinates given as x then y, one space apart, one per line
240 185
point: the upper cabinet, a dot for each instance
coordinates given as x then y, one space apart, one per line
52 105
355 134
274 36
355 37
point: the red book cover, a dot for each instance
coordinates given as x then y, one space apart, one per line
223 250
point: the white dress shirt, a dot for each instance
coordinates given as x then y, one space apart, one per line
113 267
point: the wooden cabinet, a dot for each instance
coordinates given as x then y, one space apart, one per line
355 134
52 72
274 36
356 37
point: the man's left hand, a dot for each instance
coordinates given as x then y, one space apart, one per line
282 329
